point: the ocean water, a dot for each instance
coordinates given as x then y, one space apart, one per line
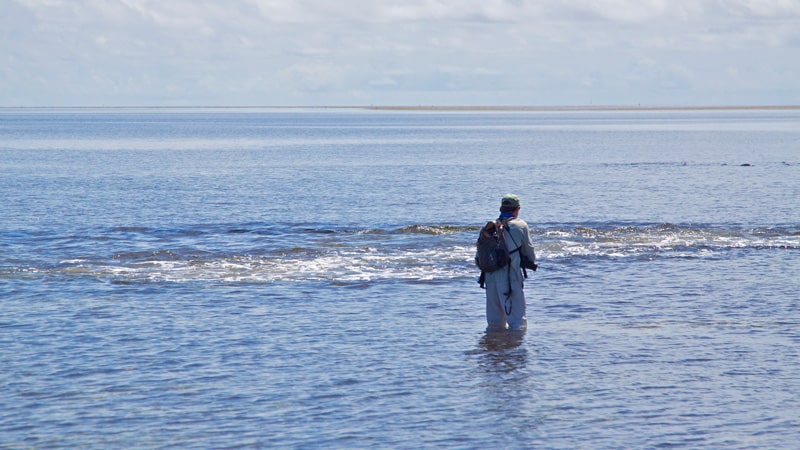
303 278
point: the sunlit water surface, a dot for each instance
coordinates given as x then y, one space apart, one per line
304 278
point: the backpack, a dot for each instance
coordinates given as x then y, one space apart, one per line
492 252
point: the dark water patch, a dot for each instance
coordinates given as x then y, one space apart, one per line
130 229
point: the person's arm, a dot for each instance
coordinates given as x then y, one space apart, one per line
527 244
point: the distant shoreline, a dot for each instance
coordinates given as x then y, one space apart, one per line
577 108
444 108
582 108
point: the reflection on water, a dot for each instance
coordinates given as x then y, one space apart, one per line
502 351
510 392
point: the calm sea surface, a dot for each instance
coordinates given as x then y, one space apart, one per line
304 279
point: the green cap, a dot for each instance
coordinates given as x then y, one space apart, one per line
509 201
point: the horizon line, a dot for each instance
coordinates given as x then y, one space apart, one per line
441 107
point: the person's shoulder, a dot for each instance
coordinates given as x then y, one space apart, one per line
518 222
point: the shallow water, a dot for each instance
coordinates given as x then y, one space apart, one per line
268 278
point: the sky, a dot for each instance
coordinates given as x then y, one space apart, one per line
408 53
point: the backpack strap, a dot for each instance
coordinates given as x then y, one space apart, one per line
524 272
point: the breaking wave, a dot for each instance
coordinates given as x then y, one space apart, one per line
274 253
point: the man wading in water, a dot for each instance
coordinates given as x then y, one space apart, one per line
505 300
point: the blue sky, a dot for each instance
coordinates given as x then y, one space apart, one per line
413 52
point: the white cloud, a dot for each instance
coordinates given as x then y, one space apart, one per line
412 51
383 82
